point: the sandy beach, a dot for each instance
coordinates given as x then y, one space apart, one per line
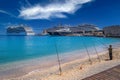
75 70
59 39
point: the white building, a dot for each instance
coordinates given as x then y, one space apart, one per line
113 31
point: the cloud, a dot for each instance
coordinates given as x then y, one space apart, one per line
4 12
52 10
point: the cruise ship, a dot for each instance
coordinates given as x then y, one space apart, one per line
79 30
20 30
61 31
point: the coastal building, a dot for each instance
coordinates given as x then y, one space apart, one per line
112 31
80 30
20 30
99 33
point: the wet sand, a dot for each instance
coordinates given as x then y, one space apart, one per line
75 69
21 68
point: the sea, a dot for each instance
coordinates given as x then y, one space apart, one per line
20 52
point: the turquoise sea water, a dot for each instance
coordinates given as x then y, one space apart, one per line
20 55
16 48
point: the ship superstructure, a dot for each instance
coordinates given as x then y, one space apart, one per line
20 30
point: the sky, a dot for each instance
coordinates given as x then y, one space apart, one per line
42 14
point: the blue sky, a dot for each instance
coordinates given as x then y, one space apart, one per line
41 14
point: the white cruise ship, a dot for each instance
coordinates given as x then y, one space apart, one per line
20 30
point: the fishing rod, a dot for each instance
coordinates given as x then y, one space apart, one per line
118 44
87 52
112 44
96 52
58 58
102 43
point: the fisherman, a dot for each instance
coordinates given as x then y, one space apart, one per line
110 52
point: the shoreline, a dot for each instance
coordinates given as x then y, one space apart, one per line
32 67
24 67
73 70
39 68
